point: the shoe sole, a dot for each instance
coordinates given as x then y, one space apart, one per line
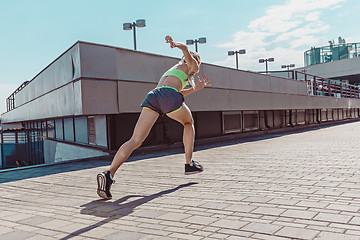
193 172
101 185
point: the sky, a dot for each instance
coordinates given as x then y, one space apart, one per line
36 32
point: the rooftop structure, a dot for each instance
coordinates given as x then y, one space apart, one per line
86 102
336 61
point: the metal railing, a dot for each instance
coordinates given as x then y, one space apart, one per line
10 101
319 86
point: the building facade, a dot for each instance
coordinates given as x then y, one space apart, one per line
87 101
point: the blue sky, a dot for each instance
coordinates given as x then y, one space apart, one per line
35 32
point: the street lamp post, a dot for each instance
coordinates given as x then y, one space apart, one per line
288 67
266 61
129 26
230 53
191 42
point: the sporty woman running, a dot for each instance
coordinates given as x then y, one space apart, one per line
167 98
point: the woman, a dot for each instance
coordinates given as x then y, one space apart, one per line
167 98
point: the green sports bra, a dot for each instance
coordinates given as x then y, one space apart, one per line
179 74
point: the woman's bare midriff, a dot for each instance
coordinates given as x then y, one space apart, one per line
172 81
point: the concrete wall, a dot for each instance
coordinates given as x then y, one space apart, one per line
60 72
63 101
90 79
55 151
334 69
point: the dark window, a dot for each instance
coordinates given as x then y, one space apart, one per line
81 129
44 128
232 122
69 129
91 130
51 128
251 120
59 128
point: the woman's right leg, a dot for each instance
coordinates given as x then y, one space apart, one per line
143 126
184 117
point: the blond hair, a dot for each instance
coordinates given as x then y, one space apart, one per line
196 56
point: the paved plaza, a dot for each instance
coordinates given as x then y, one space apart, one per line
302 185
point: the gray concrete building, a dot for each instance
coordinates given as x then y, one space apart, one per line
86 103
336 61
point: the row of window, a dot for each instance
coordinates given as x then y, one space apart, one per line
74 129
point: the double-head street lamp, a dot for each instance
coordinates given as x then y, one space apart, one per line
266 61
129 26
191 42
288 67
230 53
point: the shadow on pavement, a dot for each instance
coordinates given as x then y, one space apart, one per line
111 211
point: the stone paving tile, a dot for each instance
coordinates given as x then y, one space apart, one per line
269 211
5 230
299 214
332 217
300 233
218 236
343 207
125 235
200 220
286 186
268 237
355 220
42 237
344 226
54 224
232 224
236 238
261 228
185 236
174 216
353 232
16 235
335 236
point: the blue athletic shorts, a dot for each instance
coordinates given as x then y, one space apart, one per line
163 100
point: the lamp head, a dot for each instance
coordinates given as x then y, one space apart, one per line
127 26
140 23
202 40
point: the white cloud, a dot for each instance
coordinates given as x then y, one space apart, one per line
312 16
284 32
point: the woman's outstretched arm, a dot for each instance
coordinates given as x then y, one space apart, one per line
204 82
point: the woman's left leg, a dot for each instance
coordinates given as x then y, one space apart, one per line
142 128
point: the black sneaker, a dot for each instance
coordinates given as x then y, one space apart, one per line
104 183
195 167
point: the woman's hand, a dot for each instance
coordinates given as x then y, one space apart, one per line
175 44
170 40
203 82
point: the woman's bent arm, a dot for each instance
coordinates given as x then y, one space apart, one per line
190 61
204 82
